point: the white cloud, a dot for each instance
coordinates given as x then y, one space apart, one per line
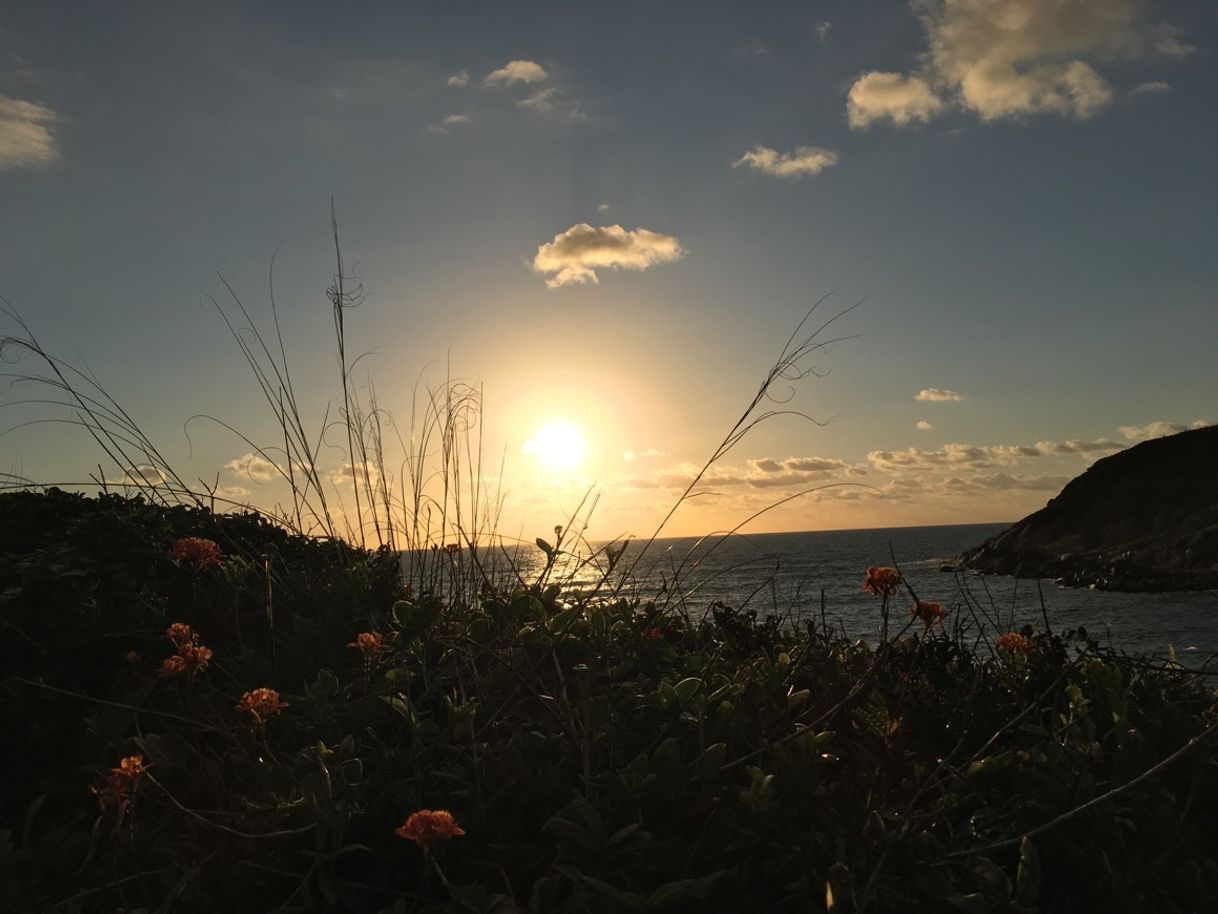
893 97
1150 88
348 473
574 256
456 120
935 395
954 455
1159 429
1074 446
232 492
603 208
516 71
923 426
142 474
552 101
822 30
254 466
805 160
24 136
460 78
1004 59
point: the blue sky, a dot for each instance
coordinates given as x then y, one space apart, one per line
1023 192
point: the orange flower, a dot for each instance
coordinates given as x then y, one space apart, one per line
190 660
121 784
261 704
180 634
370 644
1015 643
928 612
883 582
427 826
130 768
197 552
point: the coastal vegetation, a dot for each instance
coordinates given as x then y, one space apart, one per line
205 712
363 700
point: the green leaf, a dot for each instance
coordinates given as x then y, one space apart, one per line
969 904
414 619
672 893
623 901
1027 878
709 762
686 688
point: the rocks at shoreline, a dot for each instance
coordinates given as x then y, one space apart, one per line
1143 519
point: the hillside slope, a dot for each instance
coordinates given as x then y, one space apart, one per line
1142 519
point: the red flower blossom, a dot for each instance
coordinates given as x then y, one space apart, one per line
653 634
190 660
1015 643
197 552
883 582
181 634
427 826
261 704
929 612
370 644
121 784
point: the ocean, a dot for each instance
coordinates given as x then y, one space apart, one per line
795 574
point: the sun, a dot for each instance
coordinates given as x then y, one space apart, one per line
558 446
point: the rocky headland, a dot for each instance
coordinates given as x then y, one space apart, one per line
1143 519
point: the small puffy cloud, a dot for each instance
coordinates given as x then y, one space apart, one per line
1008 59
805 160
1074 446
903 100
1151 88
766 465
553 102
603 208
25 138
935 395
1159 429
574 256
232 492
813 464
516 71
955 456
924 426
348 473
460 78
254 466
448 122
142 474
822 30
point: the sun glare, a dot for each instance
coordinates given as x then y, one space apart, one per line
558 446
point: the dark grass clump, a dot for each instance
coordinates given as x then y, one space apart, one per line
300 746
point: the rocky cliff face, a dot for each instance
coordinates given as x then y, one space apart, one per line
1143 519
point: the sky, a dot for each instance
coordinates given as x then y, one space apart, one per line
611 217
